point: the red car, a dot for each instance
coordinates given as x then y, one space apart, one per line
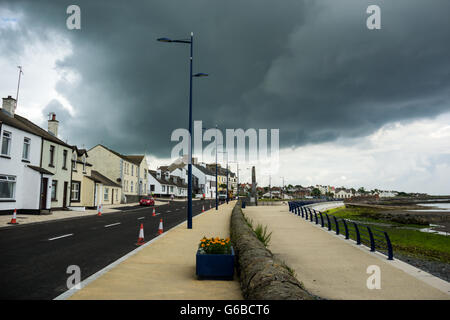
147 201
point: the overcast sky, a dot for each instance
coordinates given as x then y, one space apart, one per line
355 107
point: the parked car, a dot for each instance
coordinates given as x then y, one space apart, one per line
147 201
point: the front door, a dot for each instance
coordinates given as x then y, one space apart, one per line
44 185
66 186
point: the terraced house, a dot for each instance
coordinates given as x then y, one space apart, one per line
90 188
128 171
35 165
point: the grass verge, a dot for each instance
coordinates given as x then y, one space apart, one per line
405 238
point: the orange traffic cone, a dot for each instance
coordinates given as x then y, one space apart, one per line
141 236
203 208
154 213
160 230
13 220
99 210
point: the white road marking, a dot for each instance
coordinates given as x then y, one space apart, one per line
141 218
168 211
113 224
66 235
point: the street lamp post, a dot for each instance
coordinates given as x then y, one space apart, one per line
191 43
227 170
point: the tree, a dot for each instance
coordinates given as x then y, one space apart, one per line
315 192
362 190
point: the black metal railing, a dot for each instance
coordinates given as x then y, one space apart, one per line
374 238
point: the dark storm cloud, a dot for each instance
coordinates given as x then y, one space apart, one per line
310 68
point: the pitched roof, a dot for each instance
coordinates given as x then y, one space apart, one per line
24 124
204 170
161 180
98 177
136 159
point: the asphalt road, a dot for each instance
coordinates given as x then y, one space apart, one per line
34 257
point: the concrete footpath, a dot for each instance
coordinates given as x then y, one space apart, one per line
164 268
333 268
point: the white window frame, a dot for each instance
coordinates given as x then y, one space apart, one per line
9 179
75 190
105 194
26 142
7 135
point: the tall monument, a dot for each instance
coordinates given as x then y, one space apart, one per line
254 196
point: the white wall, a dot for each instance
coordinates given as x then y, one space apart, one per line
27 187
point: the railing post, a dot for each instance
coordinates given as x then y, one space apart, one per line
306 213
346 229
337 224
311 215
358 236
290 206
315 213
328 221
303 214
372 241
389 247
321 219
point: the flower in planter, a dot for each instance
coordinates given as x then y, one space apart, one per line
214 246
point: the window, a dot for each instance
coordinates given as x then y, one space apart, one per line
145 173
171 189
75 191
65 159
131 186
106 194
26 149
132 169
54 186
52 156
7 187
163 188
6 143
84 164
74 161
152 187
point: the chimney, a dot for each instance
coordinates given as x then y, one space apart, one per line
9 106
53 124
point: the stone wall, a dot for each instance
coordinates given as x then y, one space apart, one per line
262 277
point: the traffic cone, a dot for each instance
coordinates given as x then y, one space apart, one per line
13 220
154 213
99 210
141 236
160 229
203 208
210 205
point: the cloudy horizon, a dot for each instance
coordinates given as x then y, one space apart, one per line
355 107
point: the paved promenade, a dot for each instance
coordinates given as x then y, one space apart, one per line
165 267
333 268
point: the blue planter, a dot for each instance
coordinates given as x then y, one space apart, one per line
215 266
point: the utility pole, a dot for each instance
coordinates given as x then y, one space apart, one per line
18 85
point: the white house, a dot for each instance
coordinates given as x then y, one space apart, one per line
387 194
160 184
24 184
343 194
206 180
